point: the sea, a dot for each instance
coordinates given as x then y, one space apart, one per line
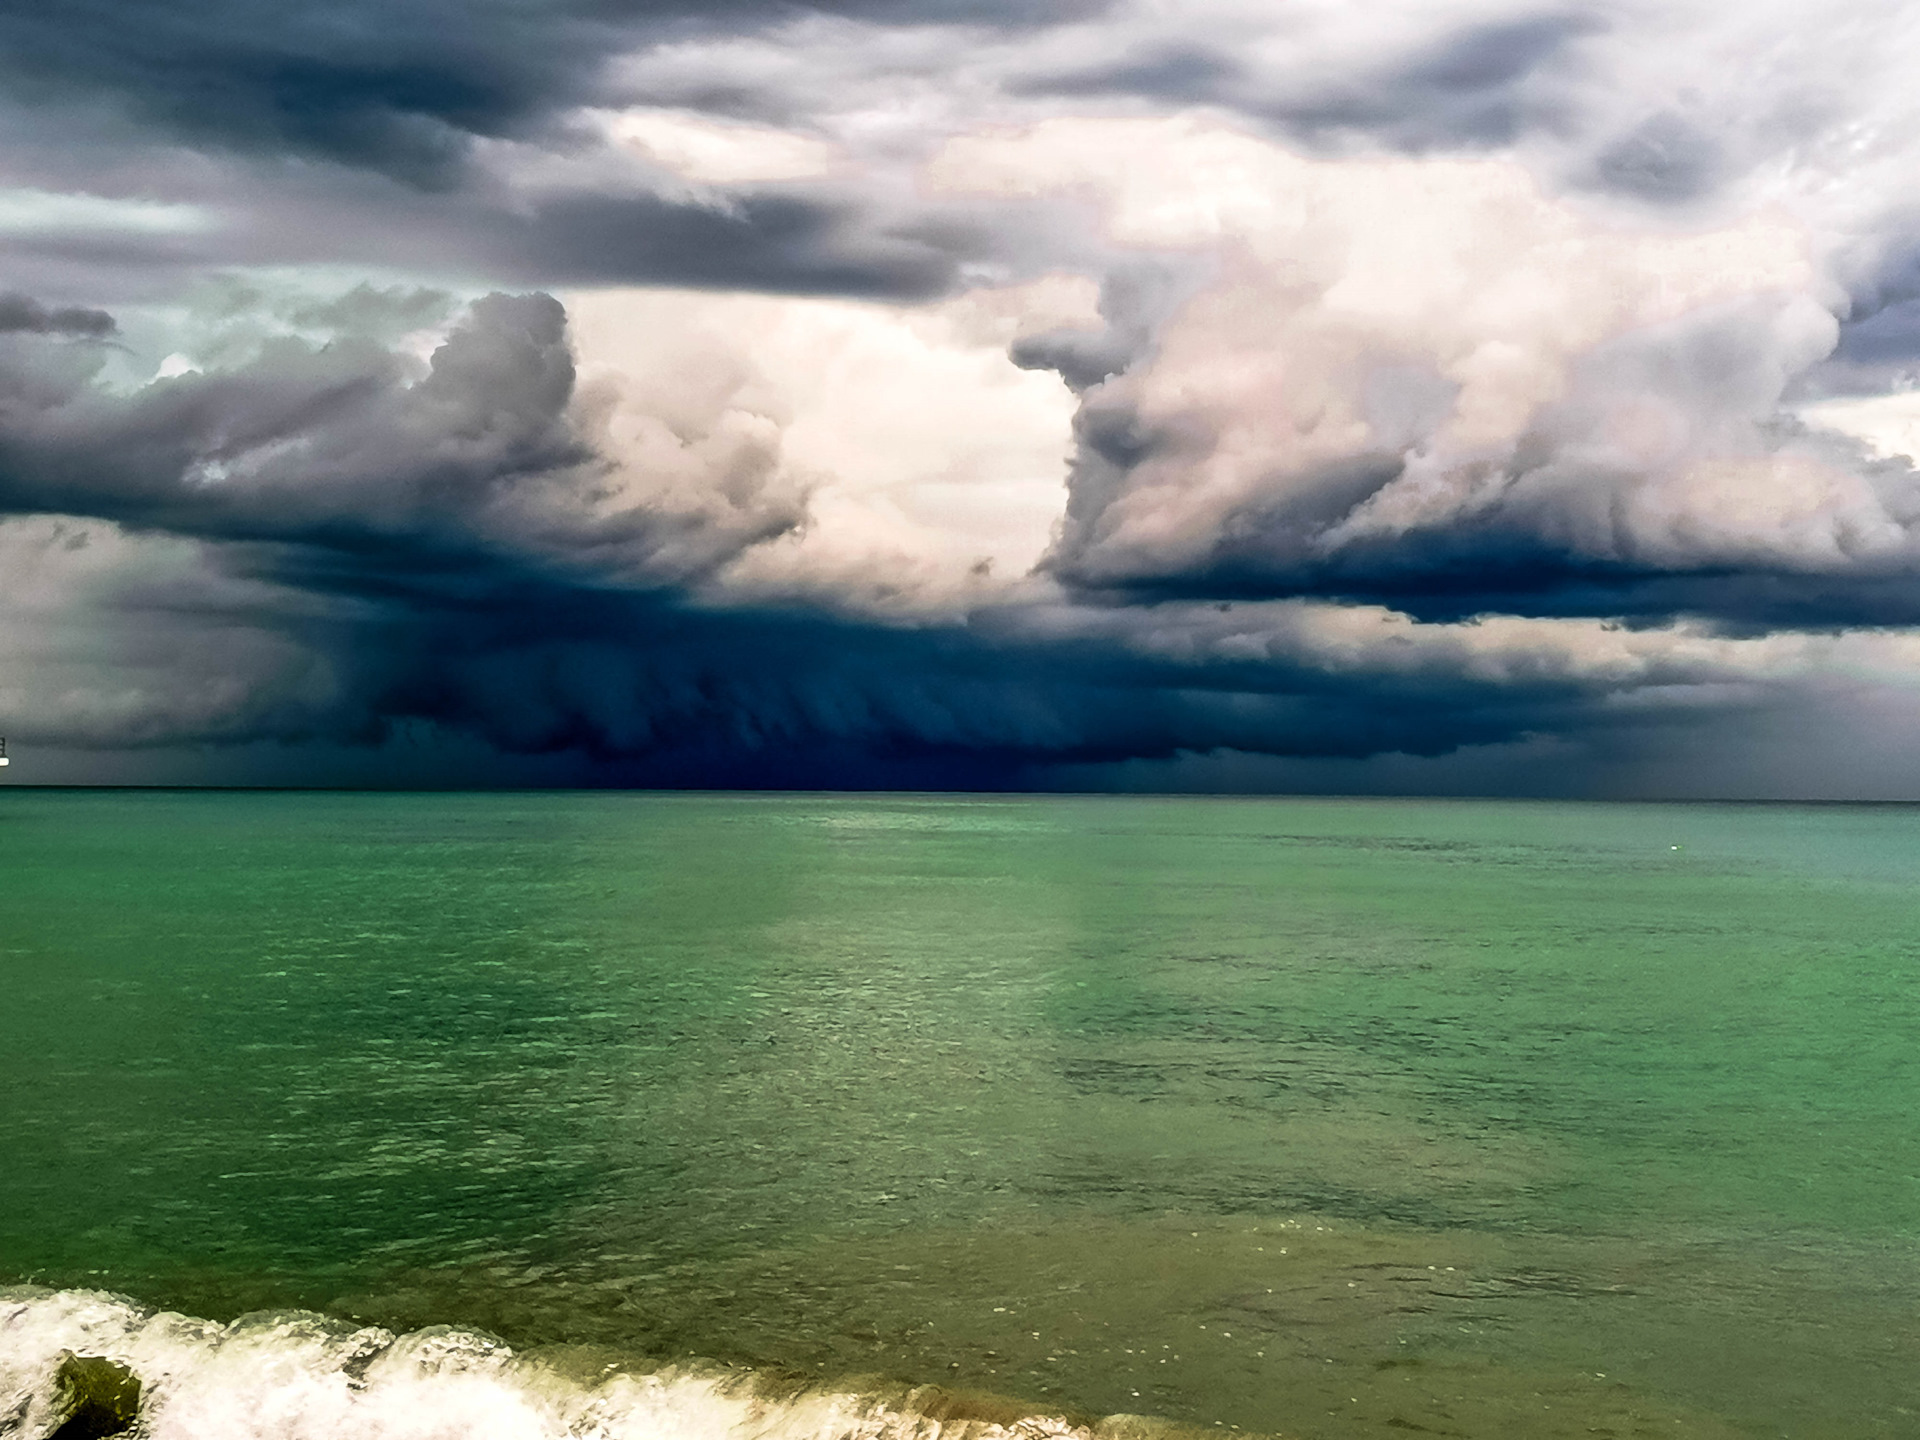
640 1116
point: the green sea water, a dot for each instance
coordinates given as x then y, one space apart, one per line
1326 1117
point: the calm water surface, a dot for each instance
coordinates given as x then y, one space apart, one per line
1334 1117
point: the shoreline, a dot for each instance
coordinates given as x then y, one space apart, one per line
271 1373
268 1375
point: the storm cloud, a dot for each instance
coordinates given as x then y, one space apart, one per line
958 394
399 88
22 314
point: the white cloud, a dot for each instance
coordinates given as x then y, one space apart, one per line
930 467
720 152
30 212
1433 312
1888 424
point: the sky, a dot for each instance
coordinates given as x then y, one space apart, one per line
1460 396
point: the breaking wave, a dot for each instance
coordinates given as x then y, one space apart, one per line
295 1375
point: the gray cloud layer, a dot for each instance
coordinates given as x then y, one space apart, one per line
22 314
399 88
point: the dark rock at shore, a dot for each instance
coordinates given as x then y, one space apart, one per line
97 1397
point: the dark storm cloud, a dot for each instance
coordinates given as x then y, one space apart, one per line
389 86
130 219
1436 84
398 88
386 547
353 451
1136 297
1498 569
403 90
1183 73
1879 347
337 440
1487 57
754 695
1887 335
396 96
1467 88
1664 159
644 688
1462 86
1511 555
21 314
776 242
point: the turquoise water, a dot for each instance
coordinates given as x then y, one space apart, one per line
1329 1117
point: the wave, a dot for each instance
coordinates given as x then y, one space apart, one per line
296 1375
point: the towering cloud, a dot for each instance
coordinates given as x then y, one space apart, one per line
1426 383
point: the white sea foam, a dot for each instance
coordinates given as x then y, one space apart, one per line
301 1376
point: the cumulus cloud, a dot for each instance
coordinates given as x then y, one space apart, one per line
481 452
933 467
1431 383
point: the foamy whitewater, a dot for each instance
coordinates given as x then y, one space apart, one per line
296 1375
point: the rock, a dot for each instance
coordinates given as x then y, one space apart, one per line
94 1397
